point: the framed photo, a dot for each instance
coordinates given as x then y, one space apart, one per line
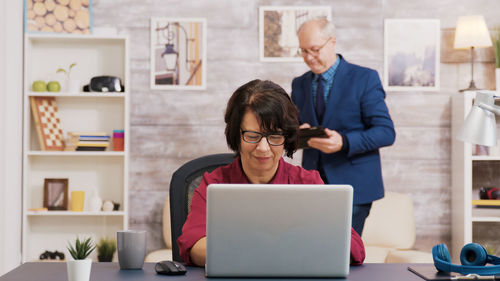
411 54
278 27
55 194
73 16
178 53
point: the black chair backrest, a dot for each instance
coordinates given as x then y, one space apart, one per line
184 181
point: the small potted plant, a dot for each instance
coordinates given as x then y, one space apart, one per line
79 268
73 86
106 249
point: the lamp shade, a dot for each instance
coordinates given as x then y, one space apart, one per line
479 126
471 31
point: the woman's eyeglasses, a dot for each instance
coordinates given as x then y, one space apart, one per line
274 139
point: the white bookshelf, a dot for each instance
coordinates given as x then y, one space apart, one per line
465 216
79 95
104 171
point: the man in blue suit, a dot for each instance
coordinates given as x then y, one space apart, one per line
348 101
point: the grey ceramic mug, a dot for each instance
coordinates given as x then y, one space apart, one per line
131 246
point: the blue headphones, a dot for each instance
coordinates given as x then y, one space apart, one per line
473 258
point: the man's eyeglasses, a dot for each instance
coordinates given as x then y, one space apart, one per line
274 139
314 51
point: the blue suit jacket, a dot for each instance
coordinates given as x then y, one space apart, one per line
357 110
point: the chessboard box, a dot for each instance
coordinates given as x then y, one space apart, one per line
84 115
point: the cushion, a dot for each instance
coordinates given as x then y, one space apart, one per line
409 256
167 234
391 222
376 254
159 255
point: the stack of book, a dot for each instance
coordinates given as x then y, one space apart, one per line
87 141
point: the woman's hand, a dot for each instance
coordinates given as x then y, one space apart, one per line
198 253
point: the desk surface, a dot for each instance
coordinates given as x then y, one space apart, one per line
56 271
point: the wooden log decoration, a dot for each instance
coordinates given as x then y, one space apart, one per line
66 16
82 19
40 22
39 9
63 2
75 5
47 29
50 5
50 19
71 13
31 14
61 13
58 27
69 25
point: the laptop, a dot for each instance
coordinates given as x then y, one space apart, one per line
278 230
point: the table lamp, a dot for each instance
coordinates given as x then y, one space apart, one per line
471 32
480 125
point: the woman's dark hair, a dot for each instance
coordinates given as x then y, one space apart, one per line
271 105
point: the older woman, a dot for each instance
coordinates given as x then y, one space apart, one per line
261 124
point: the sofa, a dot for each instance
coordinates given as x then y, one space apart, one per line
389 233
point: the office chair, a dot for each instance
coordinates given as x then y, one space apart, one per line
184 181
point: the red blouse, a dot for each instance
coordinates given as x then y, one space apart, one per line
195 227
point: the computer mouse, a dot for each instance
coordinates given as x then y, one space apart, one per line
170 268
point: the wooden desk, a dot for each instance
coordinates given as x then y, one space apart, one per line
44 271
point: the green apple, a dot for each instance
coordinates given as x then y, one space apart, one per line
39 86
53 86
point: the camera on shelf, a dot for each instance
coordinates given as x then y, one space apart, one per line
104 84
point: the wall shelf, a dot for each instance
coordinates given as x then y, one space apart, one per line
76 214
485 158
101 172
76 153
80 94
467 178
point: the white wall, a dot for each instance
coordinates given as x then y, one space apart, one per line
11 70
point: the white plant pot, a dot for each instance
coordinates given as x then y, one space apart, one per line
79 270
497 77
74 86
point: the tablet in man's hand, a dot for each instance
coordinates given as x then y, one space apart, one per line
312 132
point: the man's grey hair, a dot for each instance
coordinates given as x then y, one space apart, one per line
326 26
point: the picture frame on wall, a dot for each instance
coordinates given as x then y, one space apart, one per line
411 54
42 16
178 54
278 25
55 194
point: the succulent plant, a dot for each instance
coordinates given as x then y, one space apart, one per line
81 249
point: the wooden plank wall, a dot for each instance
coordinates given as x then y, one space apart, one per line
169 128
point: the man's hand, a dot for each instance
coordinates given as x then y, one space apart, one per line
331 144
305 126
